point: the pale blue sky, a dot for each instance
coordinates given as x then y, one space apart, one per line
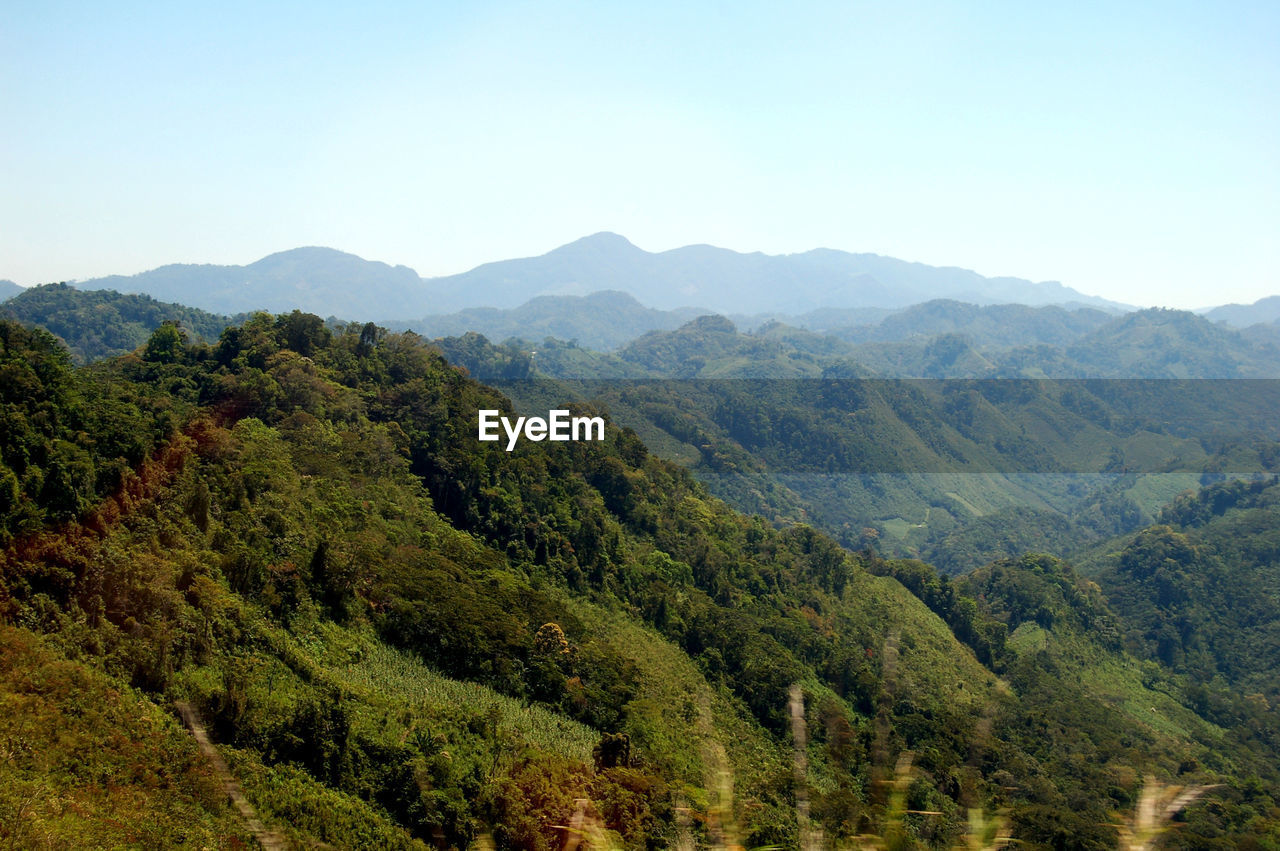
1130 150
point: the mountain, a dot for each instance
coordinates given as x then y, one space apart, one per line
8 289
1160 343
949 340
398 636
602 320
940 339
1201 590
1243 315
318 280
823 321
96 324
795 426
729 282
998 325
331 283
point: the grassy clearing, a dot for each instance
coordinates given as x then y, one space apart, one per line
678 718
1153 492
383 678
1120 684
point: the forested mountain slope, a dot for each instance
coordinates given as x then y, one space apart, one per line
400 636
955 469
1201 590
96 324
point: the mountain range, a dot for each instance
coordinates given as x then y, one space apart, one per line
603 320
558 294
729 282
332 283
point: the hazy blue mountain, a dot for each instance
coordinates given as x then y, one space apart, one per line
998 324
332 283
602 321
8 289
1243 315
609 320
941 340
729 282
316 280
948 340
824 320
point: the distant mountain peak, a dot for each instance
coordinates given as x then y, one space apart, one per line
602 242
336 283
1243 315
605 237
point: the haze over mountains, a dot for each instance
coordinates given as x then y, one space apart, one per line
603 292
1243 315
726 281
602 320
318 280
329 282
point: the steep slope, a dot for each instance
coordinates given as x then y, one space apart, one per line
398 635
1201 591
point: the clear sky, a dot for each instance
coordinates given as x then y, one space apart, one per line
1130 150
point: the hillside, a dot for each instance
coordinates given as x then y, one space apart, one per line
943 339
398 636
996 326
320 280
957 470
1012 341
1172 344
97 324
603 320
1201 591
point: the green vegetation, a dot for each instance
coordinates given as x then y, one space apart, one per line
794 426
96 324
398 636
